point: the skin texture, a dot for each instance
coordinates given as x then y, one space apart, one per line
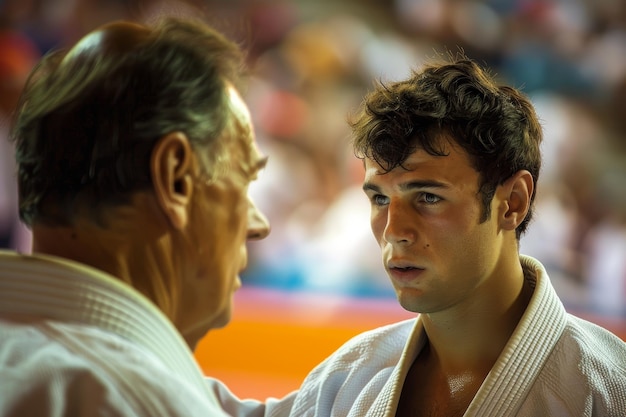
183 242
461 274
221 220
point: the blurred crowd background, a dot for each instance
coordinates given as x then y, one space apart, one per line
311 62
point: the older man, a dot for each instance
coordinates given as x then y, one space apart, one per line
135 151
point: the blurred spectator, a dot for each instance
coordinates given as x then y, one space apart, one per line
604 244
17 56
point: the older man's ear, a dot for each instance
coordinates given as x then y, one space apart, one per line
171 169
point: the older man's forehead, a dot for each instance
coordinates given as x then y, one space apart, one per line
254 160
238 106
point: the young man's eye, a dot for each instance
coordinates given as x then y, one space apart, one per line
429 198
379 200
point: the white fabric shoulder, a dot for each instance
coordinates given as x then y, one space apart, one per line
585 375
598 345
355 373
68 329
58 370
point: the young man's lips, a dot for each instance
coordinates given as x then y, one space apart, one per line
405 274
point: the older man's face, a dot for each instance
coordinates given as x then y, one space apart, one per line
222 219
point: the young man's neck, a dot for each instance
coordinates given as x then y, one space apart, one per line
473 337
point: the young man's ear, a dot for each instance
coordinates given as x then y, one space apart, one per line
171 169
515 195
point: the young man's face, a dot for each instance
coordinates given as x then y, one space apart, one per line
426 219
222 219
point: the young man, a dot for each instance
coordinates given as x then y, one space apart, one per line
451 167
134 152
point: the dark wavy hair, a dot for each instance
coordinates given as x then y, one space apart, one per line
495 124
89 118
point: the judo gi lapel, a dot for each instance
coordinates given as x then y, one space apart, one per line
541 326
386 402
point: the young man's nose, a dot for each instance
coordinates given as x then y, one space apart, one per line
400 227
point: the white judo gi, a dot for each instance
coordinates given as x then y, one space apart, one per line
554 364
75 341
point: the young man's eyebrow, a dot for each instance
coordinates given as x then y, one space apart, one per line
422 184
367 186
